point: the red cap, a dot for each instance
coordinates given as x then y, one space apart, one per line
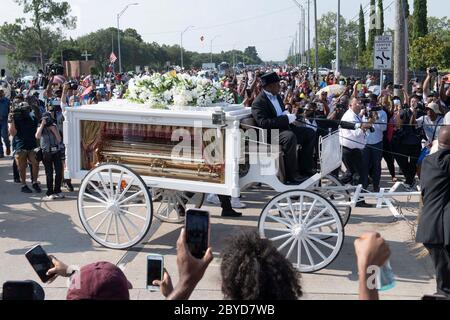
99 281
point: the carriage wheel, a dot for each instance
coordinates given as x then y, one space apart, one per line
293 221
334 196
171 206
115 206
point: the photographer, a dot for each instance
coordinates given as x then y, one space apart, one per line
52 148
407 139
22 126
4 113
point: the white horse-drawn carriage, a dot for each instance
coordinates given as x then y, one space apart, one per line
137 163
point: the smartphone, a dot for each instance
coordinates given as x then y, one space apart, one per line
40 262
197 232
398 86
155 270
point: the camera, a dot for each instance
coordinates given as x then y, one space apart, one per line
54 69
20 111
73 85
49 121
398 86
433 70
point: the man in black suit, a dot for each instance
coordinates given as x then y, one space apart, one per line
270 113
434 224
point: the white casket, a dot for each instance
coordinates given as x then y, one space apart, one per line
166 148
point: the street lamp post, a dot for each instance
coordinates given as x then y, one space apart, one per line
338 38
118 33
182 53
212 40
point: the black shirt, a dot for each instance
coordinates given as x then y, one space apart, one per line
26 131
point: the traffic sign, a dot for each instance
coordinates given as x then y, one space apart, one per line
383 53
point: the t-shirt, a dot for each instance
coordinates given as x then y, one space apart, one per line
447 119
26 131
4 108
431 128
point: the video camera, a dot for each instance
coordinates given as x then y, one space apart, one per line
19 111
49 121
54 69
73 85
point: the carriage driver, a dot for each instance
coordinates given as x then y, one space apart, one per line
270 113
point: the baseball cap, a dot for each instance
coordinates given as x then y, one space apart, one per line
99 281
434 106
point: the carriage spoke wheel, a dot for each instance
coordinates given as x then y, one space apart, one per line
293 221
171 206
115 206
338 198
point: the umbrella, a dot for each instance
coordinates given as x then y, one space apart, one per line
335 89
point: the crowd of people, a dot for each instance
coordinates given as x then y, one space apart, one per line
374 123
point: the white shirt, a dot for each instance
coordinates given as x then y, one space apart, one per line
275 102
447 119
381 126
352 139
431 131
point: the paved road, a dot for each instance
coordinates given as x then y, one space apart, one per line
26 220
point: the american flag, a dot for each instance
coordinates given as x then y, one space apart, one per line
112 57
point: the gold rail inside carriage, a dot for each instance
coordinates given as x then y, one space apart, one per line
147 149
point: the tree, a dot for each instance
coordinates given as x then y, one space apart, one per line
46 13
431 50
420 25
252 55
372 25
406 4
24 41
380 24
361 33
326 30
132 33
438 25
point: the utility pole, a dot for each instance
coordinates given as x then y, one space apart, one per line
338 38
317 38
309 34
399 46
300 49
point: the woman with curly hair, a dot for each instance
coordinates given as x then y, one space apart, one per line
253 269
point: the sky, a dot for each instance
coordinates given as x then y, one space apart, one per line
267 24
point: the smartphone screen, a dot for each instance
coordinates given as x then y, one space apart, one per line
197 232
40 262
154 270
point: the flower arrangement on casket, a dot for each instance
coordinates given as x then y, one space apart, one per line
160 91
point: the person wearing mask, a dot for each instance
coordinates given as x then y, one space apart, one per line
373 152
434 221
52 147
4 114
22 127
